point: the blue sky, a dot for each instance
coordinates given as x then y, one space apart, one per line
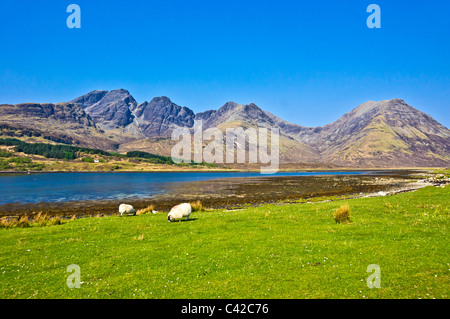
308 62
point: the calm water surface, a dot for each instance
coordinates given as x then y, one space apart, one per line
61 187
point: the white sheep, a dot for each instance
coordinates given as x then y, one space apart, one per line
126 209
179 211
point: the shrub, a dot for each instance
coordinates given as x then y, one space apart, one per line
36 166
342 214
4 153
20 160
88 159
4 165
197 206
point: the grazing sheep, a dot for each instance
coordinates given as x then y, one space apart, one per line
126 209
179 211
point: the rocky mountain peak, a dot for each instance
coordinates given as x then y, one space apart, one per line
160 115
113 110
396 102
161 100
229 106
90 98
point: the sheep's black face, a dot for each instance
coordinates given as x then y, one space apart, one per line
169 218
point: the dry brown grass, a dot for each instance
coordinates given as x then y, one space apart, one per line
24 221
197 206
147 210
7 222
342 214
41 219
56 221
45 219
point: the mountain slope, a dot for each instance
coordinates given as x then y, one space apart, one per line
90 98
233 115
379 133
62 122
388 133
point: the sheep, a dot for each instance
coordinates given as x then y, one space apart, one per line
126 209
179 211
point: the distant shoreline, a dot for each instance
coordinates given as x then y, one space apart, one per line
224 170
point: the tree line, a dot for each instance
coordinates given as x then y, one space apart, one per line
153 158
57 151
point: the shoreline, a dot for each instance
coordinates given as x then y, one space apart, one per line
235 192
225 170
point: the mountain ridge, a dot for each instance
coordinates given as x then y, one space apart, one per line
376 134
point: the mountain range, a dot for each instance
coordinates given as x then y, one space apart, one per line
387 133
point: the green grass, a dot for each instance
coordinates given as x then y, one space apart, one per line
274 251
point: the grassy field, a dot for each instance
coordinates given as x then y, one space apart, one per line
273 251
